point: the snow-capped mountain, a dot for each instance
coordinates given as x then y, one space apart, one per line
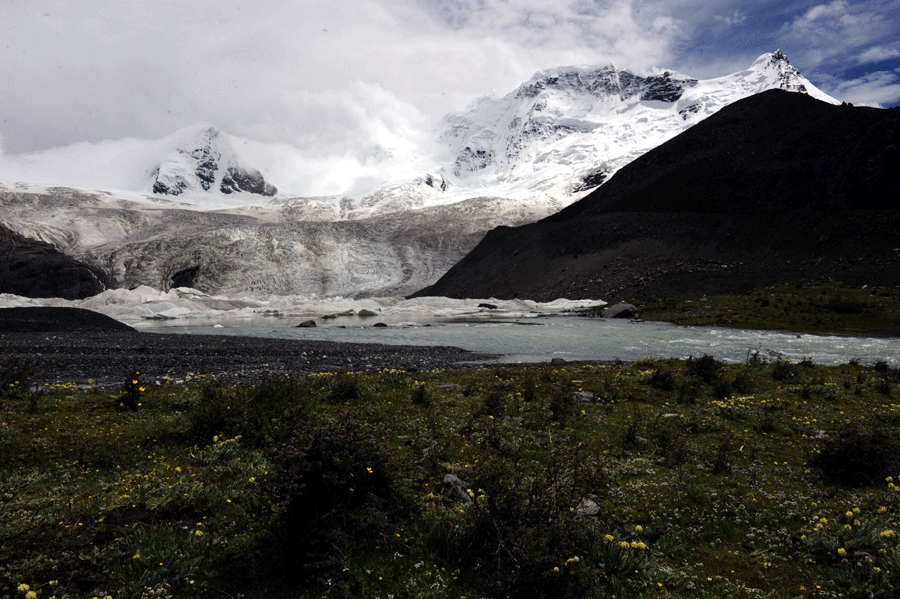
208 164
566 130
191 206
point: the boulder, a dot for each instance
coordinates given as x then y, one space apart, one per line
306 324
622 310
458 487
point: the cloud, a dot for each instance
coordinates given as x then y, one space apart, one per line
877 54
736 18
833 30
290 71
876 89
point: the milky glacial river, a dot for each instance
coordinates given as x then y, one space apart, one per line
571 338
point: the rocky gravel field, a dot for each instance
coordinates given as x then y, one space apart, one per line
68 345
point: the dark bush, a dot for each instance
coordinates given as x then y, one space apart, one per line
705 367
722 387
631 435
720 462
523 523
339 488
130 399
856 456
15 376
343 388
743 383
662 379
671 443
562 401
251 412
689 391
420 396
784 370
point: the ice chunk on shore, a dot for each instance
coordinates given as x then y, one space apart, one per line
145 307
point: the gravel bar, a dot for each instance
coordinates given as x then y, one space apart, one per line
104 354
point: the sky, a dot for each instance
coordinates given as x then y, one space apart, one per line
337 77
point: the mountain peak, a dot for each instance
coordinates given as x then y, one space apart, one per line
206 162
602 114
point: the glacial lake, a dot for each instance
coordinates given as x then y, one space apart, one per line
542 338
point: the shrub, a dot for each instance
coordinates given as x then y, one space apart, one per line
705 367
251 412
722 387
783 370
343 388
340 488
15 377
689 391
855 456
130 399
662 379
562 401
671 443
420 396
522 524
720 462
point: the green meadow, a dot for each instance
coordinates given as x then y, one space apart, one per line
655 479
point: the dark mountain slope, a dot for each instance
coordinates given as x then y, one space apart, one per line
36 269
776 187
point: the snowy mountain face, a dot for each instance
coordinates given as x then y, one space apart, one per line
567 130
204 217
208 164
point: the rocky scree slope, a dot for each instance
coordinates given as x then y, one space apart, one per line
774 188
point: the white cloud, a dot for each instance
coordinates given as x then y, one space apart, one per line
736 18
873 89
290 71
877 54
834 30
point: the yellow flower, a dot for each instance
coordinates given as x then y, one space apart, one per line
136 556
30 595
842 552
887 534
639 529
134 382
369 469
849 514
609 538
23 588
624 545
198 533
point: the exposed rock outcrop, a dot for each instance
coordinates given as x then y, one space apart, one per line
33 268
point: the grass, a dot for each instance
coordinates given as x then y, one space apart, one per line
808 307
679 479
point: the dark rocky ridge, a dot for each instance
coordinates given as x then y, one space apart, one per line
777 187
33 268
